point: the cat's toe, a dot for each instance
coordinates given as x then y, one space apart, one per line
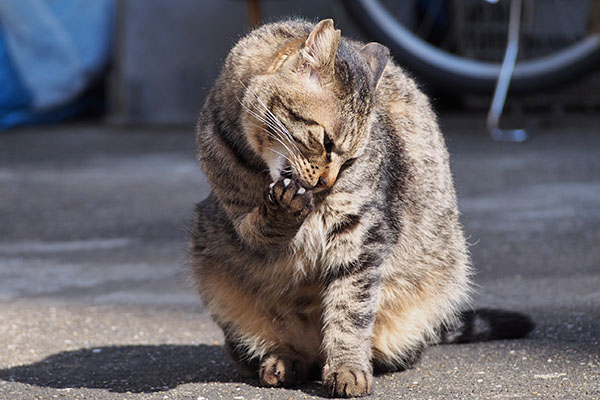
277 371
302 202
291 197
348 381
280 193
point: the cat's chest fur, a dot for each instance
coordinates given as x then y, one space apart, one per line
330 236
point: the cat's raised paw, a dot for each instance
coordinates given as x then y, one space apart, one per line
276 371
347 381
290 197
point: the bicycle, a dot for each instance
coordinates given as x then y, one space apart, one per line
434 61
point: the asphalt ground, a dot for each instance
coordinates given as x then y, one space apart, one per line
95 301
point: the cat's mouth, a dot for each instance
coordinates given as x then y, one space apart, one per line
287 172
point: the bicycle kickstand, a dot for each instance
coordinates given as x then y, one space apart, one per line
504 77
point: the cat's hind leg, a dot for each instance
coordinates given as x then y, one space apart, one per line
282 370
406 362
248 367
276 338
277 369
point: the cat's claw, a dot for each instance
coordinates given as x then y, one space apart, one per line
288 196
347 381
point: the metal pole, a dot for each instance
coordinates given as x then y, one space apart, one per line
506 71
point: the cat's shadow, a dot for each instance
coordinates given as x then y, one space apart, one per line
133 368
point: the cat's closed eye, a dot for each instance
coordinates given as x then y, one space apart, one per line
349 162
328 145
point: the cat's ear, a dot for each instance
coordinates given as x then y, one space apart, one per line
377 56
320 48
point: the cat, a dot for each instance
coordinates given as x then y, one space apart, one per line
330 243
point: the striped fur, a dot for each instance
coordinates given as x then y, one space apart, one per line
331 239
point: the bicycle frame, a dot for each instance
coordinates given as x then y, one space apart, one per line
504 78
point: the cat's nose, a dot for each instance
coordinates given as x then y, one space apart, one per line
325 182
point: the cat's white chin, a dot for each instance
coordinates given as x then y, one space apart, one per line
276 165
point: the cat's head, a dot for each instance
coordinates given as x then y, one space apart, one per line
310 112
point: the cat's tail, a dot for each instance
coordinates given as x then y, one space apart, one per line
488 324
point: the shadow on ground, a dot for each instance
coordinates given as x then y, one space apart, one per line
135 368
138 369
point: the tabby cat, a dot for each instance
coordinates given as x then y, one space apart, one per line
331 240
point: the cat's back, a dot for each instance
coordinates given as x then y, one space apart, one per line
408 119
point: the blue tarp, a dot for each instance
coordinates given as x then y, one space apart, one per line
50 51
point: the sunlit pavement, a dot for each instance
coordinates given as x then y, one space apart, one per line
95 302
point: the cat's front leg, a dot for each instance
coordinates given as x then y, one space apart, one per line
287 202
350 302
275 223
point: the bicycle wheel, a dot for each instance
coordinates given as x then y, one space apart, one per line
457 72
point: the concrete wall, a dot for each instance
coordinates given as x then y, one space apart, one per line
169 51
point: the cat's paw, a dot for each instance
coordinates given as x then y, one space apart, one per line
288 196
347 381
276 371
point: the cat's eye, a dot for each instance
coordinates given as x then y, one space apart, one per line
328 144
349 162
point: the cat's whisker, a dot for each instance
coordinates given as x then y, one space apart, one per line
281 154
288 168
274 119
282 127
254 114
275 134
278 130
281 135
292 162
284 134
290 152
